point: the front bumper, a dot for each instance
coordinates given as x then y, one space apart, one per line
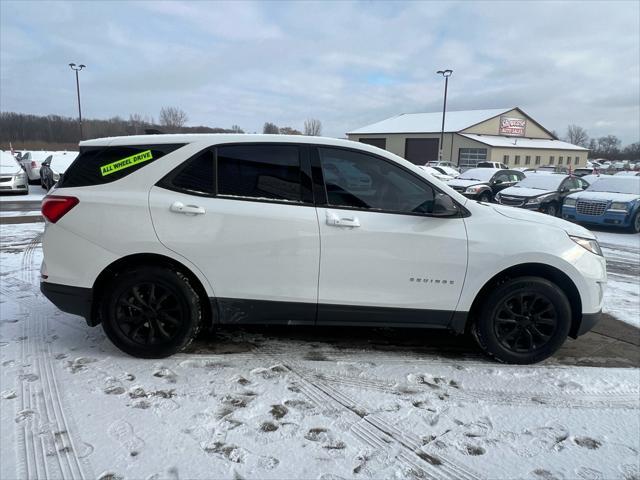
589 320
612 219
74 300
14 183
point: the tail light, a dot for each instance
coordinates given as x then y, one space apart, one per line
55 207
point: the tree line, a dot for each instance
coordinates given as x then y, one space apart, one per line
312 126
26 131
608 146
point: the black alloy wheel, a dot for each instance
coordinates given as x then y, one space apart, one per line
551 210
525 322
151 312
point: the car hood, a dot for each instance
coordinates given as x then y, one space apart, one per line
464 183
616 197
9 168
544 219
525 192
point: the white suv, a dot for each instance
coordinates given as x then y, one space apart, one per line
156 237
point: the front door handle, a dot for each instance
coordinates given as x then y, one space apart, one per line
335 220
179 207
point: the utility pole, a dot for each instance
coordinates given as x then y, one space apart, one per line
77 69
446 74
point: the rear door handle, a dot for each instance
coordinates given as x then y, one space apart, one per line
335 220
179 207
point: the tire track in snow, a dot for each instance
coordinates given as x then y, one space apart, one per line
46 445
373 431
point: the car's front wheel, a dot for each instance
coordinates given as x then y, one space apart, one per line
485 197
551 209
635 223
151 312
524 320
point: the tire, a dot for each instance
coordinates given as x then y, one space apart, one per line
634 227
485 197
525 332
137 309
551 209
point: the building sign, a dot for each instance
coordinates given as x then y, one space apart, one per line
512 126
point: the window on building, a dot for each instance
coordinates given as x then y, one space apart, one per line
537 159
260 171
357 180
527 160
469 157
376 142
552 160
505 159
517 160
560 160
576 160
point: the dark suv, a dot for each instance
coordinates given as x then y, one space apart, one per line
483 183
544 192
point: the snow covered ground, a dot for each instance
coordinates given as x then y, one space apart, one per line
257 404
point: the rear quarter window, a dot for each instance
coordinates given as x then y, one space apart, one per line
96 166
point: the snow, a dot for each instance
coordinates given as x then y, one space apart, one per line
250 403
519 142
455 121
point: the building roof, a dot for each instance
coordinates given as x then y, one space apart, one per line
431 122
520 142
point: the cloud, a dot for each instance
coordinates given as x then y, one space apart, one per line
347 63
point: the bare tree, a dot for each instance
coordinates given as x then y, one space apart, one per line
289 131
577 135
609 146
312 127
270 128
173 117
236 129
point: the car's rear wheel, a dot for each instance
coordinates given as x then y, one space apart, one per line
151 312
523 321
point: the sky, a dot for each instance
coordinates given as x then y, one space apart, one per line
347 64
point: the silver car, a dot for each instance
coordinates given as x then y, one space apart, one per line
13 178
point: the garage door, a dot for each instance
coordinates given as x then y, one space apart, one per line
421 150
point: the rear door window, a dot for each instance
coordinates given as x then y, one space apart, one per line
262 172
96 166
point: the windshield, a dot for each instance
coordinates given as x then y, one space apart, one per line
616 185
541 182
480 174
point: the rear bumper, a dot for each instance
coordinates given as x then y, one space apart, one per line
74 300
589 320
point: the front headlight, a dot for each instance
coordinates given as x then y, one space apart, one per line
570 202
474 189
537 200
622 206
587 244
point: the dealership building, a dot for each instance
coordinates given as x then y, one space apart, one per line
506 135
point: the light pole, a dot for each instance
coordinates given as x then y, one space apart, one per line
446 74
77 69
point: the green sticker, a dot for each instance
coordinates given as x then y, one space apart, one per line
126 162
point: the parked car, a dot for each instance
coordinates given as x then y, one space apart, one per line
142 230
552 169
54 166
31 161
628 173
483 183
491 165
450 171
581 172
542 192
12 176
437 173
611 200
438 163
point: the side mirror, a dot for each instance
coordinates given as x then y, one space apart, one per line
444 206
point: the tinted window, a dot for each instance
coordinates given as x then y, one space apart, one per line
260 171
96 166
362 181
197 174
